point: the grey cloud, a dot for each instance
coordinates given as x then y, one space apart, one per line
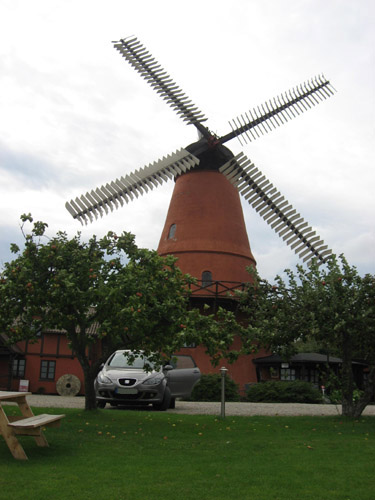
32 170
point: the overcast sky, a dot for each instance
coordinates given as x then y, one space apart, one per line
75 115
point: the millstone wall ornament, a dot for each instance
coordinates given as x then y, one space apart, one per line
68 385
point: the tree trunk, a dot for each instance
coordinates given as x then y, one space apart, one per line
90 399
367 396
90 367
89 374
347 377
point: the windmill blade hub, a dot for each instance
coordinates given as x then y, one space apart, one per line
211 154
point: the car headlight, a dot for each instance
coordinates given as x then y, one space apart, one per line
154 380
103 379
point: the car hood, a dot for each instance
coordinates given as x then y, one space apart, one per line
116 373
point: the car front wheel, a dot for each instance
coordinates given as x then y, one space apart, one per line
164 405
100 404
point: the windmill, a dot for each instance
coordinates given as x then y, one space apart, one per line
205 226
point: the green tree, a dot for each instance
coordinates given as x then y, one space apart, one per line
130 297
331 306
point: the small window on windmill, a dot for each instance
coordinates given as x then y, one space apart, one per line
206 278
172 231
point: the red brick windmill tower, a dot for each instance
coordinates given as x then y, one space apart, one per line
205 227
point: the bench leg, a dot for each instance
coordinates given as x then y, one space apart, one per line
26 411
15 447
10 438
41 439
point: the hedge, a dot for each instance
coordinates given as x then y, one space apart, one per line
209 389
296 391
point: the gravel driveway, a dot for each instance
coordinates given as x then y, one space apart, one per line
195 408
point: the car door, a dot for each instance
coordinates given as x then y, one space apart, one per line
184 376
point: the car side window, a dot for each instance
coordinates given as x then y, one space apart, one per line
182 362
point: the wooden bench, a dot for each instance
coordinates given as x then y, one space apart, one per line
22 426
26 425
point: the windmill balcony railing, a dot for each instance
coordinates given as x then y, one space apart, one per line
216 289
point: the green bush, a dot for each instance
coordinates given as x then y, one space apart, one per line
296 391
335 397
209 389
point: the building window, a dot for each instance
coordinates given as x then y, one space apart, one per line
312 376
206 278
172 231
287 374
47 370
274 372
19 366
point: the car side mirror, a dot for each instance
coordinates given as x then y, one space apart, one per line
168 368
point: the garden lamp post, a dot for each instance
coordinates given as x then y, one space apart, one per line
223 372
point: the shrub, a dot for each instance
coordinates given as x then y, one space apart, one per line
296 391
209 389
335 397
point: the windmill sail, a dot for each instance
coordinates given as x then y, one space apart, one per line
143 62
275 112
274 209
106 197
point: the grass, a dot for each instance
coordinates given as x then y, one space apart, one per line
149 455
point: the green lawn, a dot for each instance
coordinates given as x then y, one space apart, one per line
117 454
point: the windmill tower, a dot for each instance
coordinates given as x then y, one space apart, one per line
205 226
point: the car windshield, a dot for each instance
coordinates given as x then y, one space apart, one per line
121 360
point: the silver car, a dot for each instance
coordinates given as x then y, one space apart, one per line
124 380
